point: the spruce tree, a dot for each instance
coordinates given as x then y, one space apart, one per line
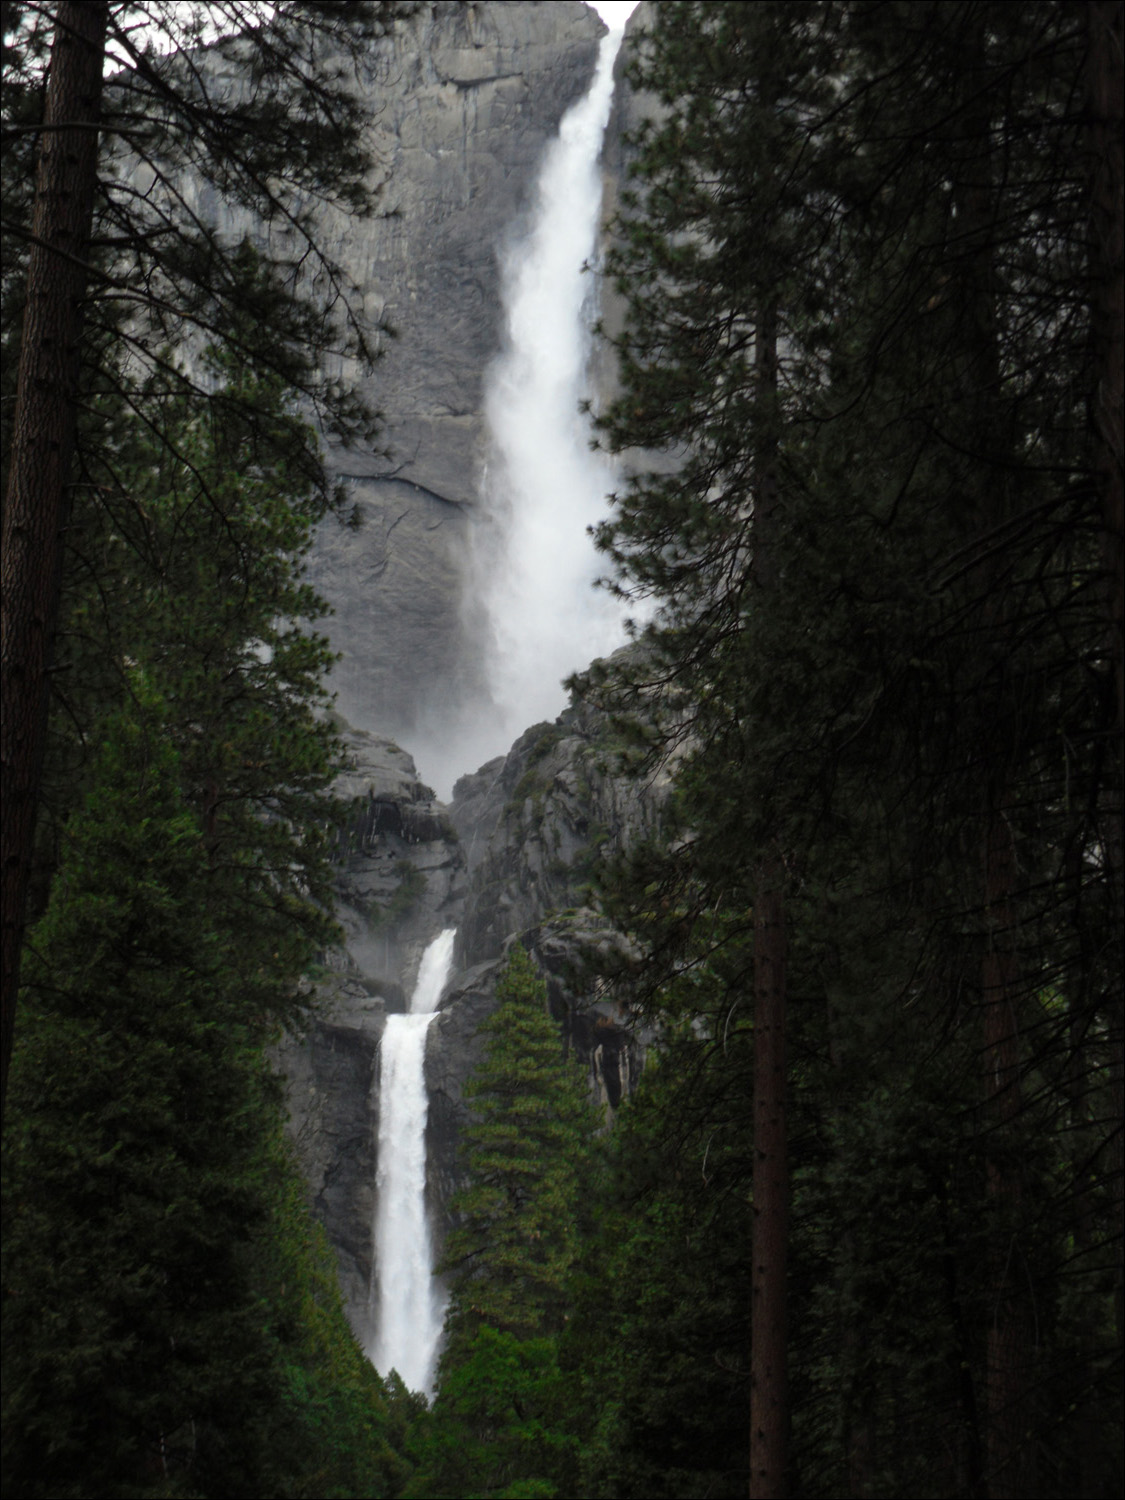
527 1152
169 1319
912 182
500 1422
266 116
198 581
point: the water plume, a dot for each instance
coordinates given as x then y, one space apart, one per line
409 1305
542 488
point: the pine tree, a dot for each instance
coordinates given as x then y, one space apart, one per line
166 1319
115 276
657 1341
526 1150
500 1419
911 183
198 582
171 1319
134 1186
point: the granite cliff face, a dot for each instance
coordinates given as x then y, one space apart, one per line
469 96
512 855
532 826
465 99
401 879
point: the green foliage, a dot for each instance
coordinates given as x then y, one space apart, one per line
281 138
658 1339
172 1323
171 1319
500 1422
131 1153
881 613
527 1152
496 1427
334 1432
170 1315
197 580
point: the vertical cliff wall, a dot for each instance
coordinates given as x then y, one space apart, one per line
465 99
468 98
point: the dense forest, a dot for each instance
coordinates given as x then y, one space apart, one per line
859 1228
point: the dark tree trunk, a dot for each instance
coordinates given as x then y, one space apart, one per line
1105 86
769 1378
36 504
1011 1471
1010 1468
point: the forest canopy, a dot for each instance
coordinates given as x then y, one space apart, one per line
172 1322
859 1229
871 263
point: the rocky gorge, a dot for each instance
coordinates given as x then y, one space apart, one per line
468 98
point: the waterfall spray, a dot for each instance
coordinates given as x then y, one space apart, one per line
543 487
409 1306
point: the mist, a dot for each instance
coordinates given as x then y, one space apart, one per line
533 567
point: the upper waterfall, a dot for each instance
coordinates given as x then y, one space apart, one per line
543 488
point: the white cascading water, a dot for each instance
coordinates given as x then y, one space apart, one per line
543 487
409 1305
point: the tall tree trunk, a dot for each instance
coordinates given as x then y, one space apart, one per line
1105 86
1105 83
36 504
1011 1471
769 1378
998 712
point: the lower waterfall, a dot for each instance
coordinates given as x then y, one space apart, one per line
409 1307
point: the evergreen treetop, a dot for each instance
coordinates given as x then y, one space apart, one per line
527 1154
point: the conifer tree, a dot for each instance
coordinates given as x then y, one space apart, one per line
113 276
171 1319
166 1319
198 581
500 1422
912 182
526 1150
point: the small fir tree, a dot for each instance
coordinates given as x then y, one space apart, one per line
500 1422
528 1153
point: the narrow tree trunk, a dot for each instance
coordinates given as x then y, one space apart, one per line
769 1379
1105 83
1010 1468
1105 86
35 508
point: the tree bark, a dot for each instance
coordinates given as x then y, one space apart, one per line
1010 1467
36 505
769 1378
1011 1472
1105 85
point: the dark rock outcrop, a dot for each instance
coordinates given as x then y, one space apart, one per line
532 826
512 856
332 1077
401 879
